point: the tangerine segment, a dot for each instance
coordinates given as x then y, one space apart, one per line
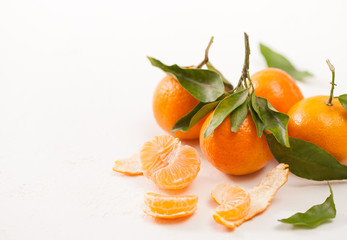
235 203
217 192
261 195
129 166
167 206
155 154
169 164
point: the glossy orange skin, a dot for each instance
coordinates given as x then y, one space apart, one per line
237 153
277 87
171 102
326 126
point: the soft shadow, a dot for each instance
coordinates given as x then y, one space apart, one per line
220 227
310 183
290 227
193 143
164 221
118 174
248 177
178 191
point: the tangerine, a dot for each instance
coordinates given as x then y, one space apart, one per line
278 87
314 121
168 163
170 103
237 153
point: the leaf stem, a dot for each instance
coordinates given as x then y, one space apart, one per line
206 54
332 69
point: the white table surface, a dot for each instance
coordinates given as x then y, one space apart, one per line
75 95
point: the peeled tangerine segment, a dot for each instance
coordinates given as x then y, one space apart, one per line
129 166
170 206
261 195
168 163
235 203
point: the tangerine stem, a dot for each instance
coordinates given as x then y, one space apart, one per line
332 69
247 53
245 70
206 54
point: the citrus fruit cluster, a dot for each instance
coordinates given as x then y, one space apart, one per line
240 129
233 124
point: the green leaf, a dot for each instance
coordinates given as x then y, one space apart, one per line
254 108
255 104
277 60
238 116
316 215
224 108
226 83
258 123
307 160
274 121
204 85
343 100
193 117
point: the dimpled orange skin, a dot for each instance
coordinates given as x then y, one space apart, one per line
326 126
237 153
277 87
171 102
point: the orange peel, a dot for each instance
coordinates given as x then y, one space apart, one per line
261 195
129 166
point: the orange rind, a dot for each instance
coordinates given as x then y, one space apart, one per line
261 195
170 103
168 206
129 166
230 152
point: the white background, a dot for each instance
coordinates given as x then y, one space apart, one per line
75 95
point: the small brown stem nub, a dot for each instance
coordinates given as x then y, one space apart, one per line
206 54
332 69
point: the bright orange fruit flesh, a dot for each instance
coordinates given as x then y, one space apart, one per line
170 103
235 203
167 206
278 87
168 163
325 126
260 195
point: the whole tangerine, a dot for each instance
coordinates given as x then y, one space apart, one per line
314 121
237 153
278 87
170 103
